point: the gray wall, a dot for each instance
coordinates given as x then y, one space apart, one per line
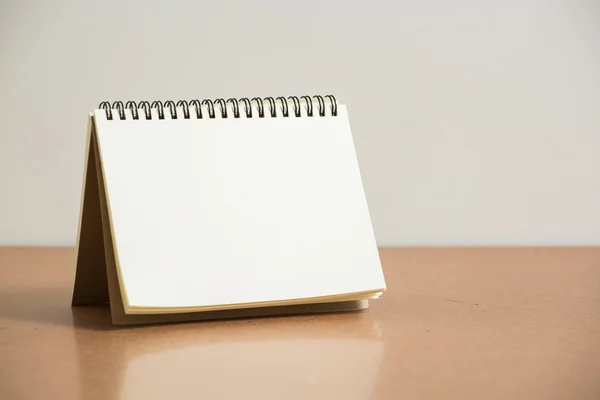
476 122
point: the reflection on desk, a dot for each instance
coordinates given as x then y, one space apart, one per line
259 358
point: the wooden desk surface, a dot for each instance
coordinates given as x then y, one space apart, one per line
454 324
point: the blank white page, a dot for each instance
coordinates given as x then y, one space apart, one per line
209 212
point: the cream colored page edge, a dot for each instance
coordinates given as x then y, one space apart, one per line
364 296
110 221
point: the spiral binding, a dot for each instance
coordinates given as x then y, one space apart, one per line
227 108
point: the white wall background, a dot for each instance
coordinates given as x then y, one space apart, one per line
476 122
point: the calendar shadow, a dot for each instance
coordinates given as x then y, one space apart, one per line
51 306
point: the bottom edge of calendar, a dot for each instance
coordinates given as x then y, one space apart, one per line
368 295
